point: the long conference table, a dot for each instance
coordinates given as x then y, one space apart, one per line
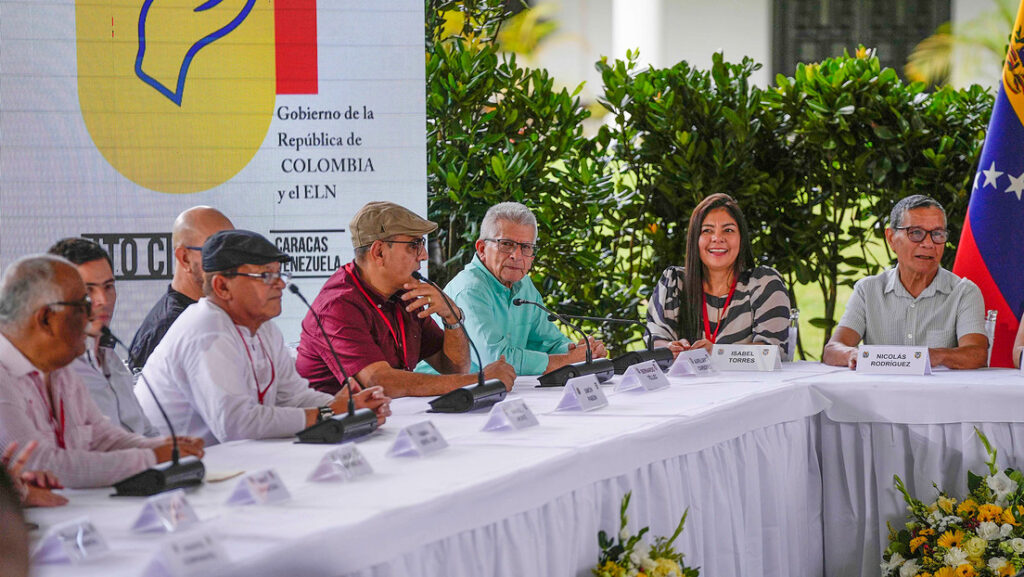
784 473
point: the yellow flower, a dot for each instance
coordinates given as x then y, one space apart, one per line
946 504
1008 517
989 512
917 542
966 508
1007 571
861 52
1020 510
665 568
945 572
610 569
926 532
965 570
951 539
975 547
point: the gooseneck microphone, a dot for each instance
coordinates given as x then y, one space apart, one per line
339 428
603 369
176 474
661 355
465 399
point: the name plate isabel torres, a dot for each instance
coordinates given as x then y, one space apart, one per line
746 358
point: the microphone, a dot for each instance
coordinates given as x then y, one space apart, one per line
478 396
661 355
339 428
603 369
179 473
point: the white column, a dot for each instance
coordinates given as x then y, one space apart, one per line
637 24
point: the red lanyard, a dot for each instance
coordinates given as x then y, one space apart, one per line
58 427
351 270
260 393
718 326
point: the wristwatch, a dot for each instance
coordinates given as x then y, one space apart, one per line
324 413
452 326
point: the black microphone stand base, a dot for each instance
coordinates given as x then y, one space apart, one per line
470 398
661 354
340 428
603 369
187 472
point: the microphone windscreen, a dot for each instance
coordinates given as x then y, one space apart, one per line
517 302
293 287
416 275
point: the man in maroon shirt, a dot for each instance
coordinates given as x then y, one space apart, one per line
378 316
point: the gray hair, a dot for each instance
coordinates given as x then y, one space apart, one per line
896 217
513 212
27 284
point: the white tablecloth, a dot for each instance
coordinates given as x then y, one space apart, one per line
739 450
921 428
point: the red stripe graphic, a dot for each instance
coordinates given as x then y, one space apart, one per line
969 264
295 29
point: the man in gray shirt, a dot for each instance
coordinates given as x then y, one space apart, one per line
916 303
109 382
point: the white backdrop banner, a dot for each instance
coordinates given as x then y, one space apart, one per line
287 115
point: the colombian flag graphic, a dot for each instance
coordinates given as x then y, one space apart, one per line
991 251
178 95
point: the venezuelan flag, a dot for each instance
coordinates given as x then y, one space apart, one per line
991 251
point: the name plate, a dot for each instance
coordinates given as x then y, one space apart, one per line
582 393
893 360
187 555
696 362
342 464
647 376
510 414
418 439
166 512
259 488
762 358
71 542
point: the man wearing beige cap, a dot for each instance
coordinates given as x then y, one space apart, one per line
378 316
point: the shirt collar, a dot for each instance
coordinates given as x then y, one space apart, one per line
942 283
375 296
14 361
477 264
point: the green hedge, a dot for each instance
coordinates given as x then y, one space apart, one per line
816 161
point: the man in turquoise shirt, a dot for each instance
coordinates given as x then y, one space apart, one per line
484 290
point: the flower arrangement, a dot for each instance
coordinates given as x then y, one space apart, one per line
979 536
631 556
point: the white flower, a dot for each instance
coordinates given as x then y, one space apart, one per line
988 531
642 550
909 569
955 557
624 534
1005 529
895 561
996 563
648 564
1002 486
1017 544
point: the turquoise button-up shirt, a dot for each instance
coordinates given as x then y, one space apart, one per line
523 334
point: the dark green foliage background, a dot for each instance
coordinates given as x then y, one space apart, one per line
816 161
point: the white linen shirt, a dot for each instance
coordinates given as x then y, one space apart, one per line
112 387
205 372
97 452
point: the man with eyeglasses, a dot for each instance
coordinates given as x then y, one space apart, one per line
379 316
44 310
190 231
222 371
917 302
104 373
499 273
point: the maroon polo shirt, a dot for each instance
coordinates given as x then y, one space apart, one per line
358 326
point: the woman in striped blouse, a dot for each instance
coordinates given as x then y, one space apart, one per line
717 297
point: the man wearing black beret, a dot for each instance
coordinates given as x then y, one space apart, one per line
222 371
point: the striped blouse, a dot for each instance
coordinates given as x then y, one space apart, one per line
758 313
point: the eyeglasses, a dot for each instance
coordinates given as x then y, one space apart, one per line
509 246
85 304
197 248
268 278
915 234
416 245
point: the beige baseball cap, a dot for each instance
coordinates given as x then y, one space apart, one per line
378 220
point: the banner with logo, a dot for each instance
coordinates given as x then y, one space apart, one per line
286 115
